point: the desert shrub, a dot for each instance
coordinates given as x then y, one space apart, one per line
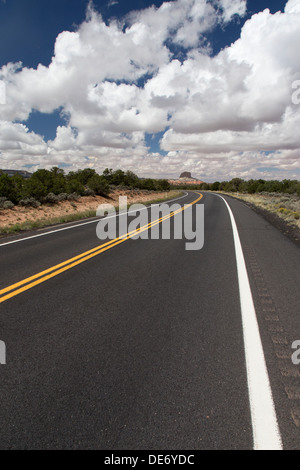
297 205
62 197
8 205
73 197
89 192
51 198
2 201
29 202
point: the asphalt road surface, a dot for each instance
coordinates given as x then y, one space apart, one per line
146 345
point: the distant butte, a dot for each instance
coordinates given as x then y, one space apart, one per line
186 174
185 178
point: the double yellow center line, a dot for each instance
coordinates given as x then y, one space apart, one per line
30 282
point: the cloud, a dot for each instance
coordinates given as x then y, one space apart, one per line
292 6
117 81
232 8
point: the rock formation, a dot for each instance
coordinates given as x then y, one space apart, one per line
186 174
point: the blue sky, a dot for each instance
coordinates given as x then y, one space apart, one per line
29 30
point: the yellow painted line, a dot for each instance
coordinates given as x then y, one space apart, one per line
99 247
72 262
67 265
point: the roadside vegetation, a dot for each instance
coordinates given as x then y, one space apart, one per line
238 185
37 218
285 206
278 197
50 197
54 186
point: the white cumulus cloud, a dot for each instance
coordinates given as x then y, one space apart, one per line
117 81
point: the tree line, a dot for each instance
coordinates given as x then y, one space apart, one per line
251 186
52 186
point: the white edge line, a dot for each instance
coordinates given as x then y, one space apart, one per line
266 433
84 223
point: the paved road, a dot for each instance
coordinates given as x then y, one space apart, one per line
142 346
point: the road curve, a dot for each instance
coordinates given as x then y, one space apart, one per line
142 346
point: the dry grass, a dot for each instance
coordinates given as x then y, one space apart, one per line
286 206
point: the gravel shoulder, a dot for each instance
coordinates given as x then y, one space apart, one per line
291 230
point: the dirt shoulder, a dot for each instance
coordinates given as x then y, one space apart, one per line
27 218
281 211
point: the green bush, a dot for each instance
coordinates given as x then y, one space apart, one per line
255 186
99 185
214 186
74 186
83 176
148 184
54 185
59 183
33 187
7 188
